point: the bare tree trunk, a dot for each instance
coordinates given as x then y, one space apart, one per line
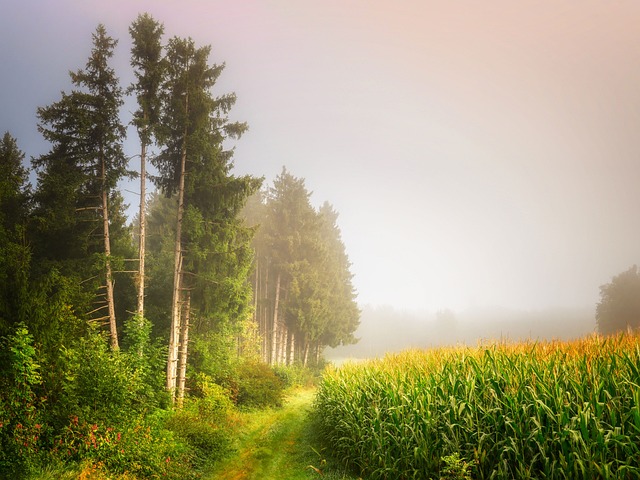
292 349
306 352
113 331
141 249
265 317
274 331
184 346
318 352
282 343
174 337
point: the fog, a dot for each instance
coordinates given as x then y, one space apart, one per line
386 330
480 154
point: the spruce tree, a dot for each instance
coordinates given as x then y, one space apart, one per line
86 133
194 166
146 59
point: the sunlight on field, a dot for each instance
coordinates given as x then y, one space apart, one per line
521 410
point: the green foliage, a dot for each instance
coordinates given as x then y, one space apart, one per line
140 447
297 375
20 416
559 410
300 249
258 386
619 306
202 423
146 358
455 468
99 385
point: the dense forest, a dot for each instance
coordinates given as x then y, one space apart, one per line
116 330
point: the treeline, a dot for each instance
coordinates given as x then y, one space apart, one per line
104 320
304 297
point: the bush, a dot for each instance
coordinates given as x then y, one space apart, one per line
296 375
20 417
142 448
202 423
258 386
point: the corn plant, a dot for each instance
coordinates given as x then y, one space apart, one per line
528 410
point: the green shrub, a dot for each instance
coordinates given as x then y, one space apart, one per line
202 424
296 375
258 386
206 440
142 448
208 399
21 425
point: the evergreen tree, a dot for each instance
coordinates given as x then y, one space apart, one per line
86 157
15 255
194 165
146 59
304 296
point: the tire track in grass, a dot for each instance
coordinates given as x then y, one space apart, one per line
275 445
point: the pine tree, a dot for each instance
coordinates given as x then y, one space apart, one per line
194 165
86 133
146 59
15 254
305 298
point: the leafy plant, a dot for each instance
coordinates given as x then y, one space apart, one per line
258 386
455 468
20 420
528 410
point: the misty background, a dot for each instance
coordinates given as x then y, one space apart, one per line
483 156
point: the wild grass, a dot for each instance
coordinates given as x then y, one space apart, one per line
529 410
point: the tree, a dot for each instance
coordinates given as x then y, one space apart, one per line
194 165
86 133
303 293
15 254
619 306
146 59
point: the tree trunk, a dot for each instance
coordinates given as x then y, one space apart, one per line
282 343
141 249
264 331
306 353
292 349
174 337
274 331
184 345
113 331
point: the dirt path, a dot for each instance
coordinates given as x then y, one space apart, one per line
273 445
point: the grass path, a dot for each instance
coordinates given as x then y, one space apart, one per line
276 444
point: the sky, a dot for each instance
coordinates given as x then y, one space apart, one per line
479 153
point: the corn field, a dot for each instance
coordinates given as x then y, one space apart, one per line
557 410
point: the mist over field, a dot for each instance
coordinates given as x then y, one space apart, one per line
386 329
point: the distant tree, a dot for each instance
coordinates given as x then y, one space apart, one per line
303 293
619 307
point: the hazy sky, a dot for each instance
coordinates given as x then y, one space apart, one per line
479 153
